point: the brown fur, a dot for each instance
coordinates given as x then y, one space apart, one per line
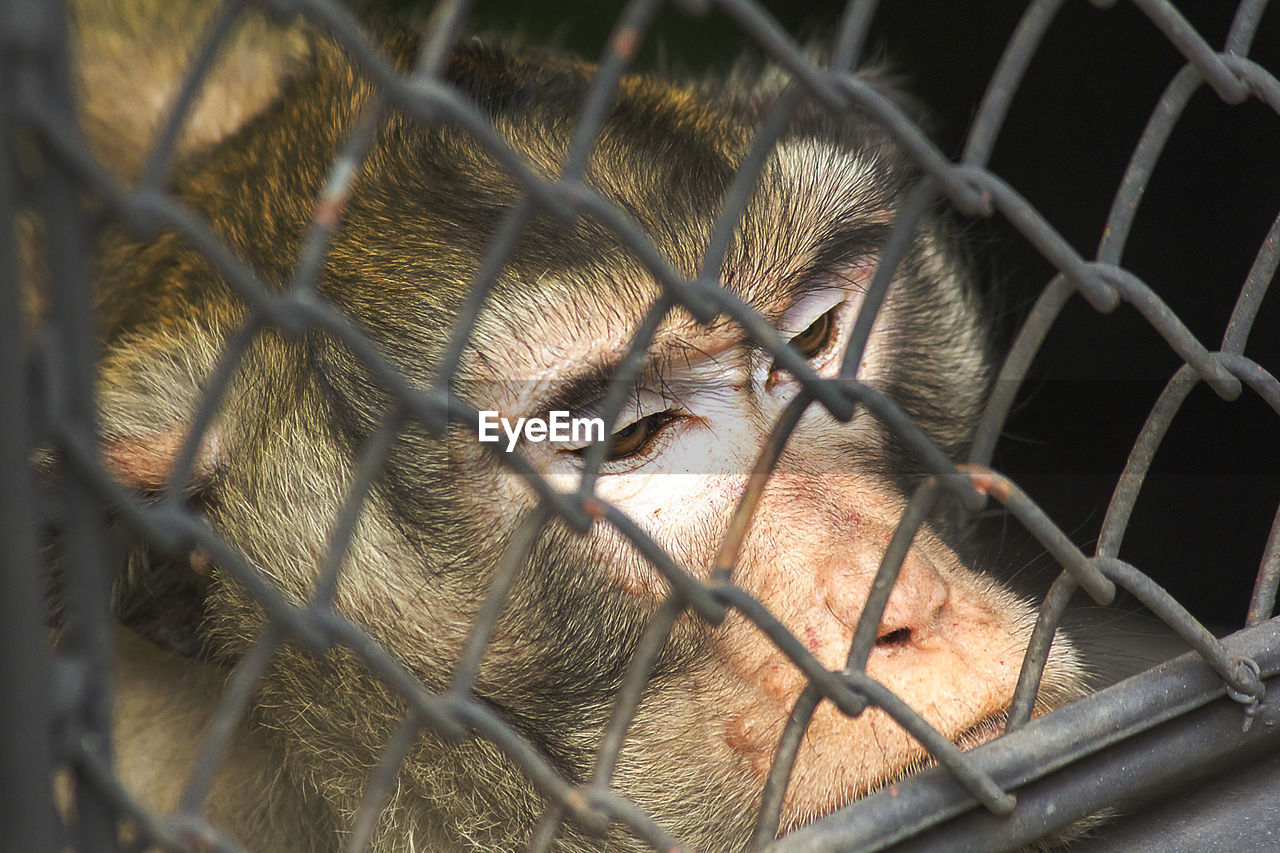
276 466
132 55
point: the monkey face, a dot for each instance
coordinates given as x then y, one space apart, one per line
440 515
680 457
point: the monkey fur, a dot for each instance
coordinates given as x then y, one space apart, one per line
275 468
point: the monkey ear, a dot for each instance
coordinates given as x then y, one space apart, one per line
146 463
149 390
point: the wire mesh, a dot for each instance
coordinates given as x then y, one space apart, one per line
1041 776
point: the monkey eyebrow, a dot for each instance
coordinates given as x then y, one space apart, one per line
842 245
851 238
582 392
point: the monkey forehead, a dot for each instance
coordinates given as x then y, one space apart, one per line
667 157
817 184
817 208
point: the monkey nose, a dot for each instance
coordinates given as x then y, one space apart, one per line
915 605
913 611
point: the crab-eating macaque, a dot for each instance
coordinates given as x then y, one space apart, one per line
276 465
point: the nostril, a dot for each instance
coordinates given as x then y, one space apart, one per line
900 637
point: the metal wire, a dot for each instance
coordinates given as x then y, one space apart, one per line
1038 777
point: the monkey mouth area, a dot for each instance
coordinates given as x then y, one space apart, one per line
984 731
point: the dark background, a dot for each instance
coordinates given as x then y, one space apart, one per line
1206 508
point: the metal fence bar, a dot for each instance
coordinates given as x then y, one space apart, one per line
26 747
68 355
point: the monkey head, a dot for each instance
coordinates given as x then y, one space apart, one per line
304 413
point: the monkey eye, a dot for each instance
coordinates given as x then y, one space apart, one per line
634 438
815 338
811 342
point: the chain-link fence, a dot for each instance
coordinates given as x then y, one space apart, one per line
1201 713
